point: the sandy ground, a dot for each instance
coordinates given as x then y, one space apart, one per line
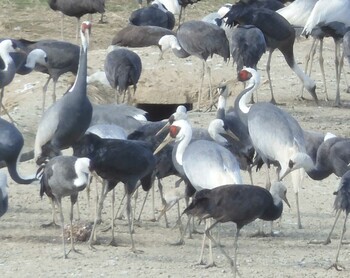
28 249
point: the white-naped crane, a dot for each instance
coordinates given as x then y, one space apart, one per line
239 203
276 136
62 57
281 37
192 159
67 119
203 40
64 176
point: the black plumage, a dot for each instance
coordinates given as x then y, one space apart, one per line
116 161
239 203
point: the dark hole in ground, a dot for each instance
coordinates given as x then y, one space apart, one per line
157 112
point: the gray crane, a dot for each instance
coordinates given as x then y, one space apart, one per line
140 36
62 57
3 193
276 135
67 119
192 159
64 176
154 15
341 203
7 73
203 40
281 36
77 9
333 157
11 145
123 68
332 18
239 203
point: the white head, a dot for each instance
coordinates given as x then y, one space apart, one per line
249 75
297 161
7 46
85 34
169 41
36 56
329 135
279 192
215 129
224 10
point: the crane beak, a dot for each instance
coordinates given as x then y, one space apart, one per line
166 126
232 135
165 142
286 200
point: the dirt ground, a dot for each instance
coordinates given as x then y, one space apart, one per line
28 249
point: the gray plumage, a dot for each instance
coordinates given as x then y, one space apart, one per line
110 131
123 69
67 119
275 134
11 145
153 15
333 157
247 45
64 176
281 36
140 36
3 193
62 57
346 46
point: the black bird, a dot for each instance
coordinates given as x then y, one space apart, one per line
77 9
341 203
67 119
11 145
279 34
123 68
153 15
62 57
3 193
64 176
184 4
239 203
116 161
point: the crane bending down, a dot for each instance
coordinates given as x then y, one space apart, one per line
276 135
281 38
192 159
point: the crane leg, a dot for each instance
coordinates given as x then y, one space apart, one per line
338 68
53 222
268 67
328 239
296 180
200 261
308 58
71 229
44 94
336 265
59 204
112 242
129 214
321 61
201 86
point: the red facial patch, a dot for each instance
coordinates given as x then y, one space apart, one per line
244 75
174 130
86 26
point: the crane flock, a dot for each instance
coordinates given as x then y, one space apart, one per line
117 143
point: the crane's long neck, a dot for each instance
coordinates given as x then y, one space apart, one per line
80 81
182 145
220 113
12 168
6 58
